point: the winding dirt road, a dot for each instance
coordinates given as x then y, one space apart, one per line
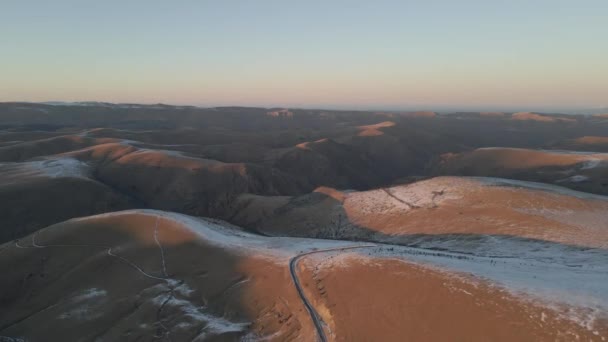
403 250
314 316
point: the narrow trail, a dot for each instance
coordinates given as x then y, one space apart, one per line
107 248
169 281
162 250
314 316
409 205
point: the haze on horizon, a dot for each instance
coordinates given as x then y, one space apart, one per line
347 54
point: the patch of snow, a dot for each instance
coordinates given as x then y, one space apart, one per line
591 164
53 168
580 153
86 305
184 290
539 186
11 339
423 194
497 148
64 167
15 172
192 316
574 179
90 294
282 113
43 110
170 153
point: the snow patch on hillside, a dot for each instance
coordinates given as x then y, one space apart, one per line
424 194
574 179
52 168
539 186
591 164
63 167
85 305
192 316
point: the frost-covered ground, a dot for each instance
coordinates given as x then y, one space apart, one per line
574 274
433 192
574 282
423 194
225 235
560 273
538 186
48 167
191 315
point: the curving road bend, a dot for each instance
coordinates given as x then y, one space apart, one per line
293 263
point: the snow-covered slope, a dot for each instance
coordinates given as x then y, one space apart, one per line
191 278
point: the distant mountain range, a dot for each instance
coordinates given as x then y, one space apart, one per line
442 109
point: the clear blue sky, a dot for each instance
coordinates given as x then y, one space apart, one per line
352 54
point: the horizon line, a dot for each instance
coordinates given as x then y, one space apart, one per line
343 107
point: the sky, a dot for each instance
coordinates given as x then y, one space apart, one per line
380 54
